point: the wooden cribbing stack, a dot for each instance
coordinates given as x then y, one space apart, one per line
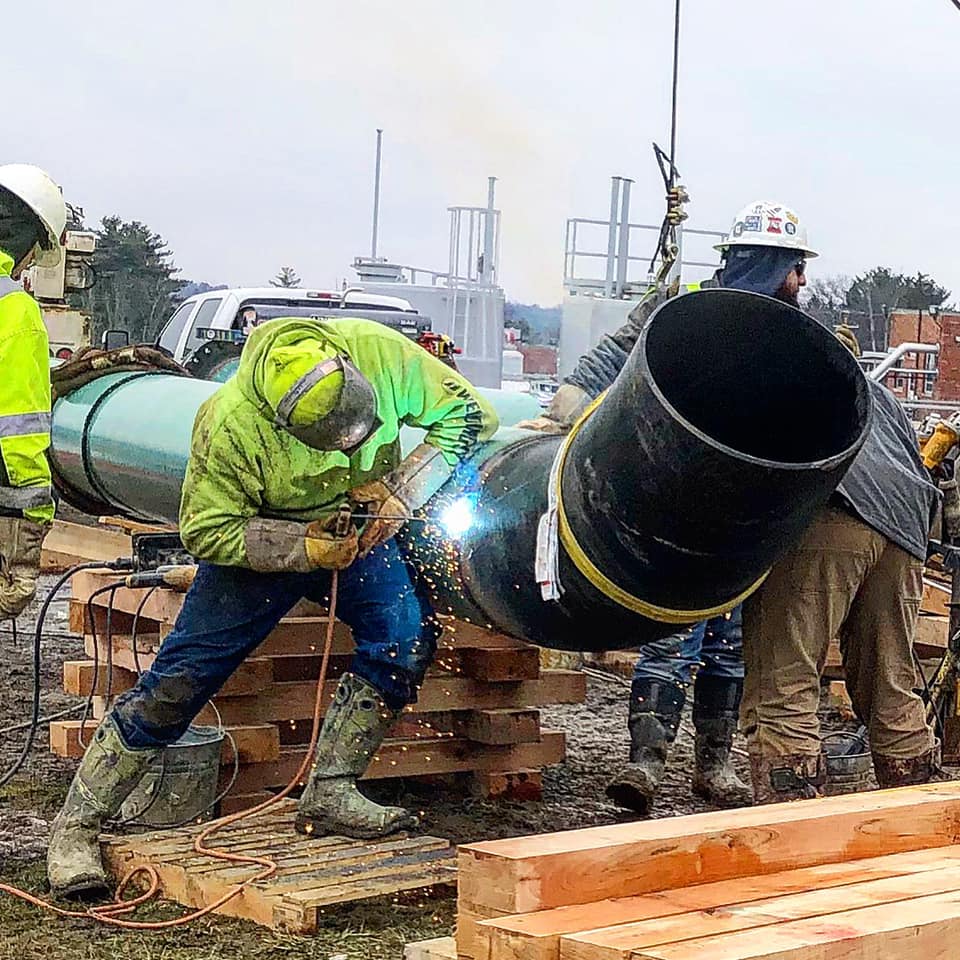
476 715
868 876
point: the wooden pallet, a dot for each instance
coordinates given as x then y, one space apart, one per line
869 876
476 714
313 872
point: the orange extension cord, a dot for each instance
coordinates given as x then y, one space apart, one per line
111 913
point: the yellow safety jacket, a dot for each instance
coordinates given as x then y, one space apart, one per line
25 489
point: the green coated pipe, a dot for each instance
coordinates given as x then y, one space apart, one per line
120 444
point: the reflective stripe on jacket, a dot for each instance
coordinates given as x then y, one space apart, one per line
25 488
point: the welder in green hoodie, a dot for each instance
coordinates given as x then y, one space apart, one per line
310 422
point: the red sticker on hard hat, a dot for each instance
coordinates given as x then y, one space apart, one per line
773 225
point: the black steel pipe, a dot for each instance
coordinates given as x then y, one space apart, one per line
731 424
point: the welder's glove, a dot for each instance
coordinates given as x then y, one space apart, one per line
567 404
393 498
848 338
286 546
20 545
328 550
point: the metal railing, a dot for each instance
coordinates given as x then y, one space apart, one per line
621 238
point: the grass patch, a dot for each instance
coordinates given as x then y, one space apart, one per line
368 930
34 794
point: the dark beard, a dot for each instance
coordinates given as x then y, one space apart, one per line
792 299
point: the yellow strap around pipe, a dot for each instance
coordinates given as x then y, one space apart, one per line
601 581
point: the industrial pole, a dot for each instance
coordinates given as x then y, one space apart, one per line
487 256
376 197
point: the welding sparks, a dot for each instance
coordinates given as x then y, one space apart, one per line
458 517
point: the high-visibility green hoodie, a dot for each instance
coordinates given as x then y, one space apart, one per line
242 466
24 403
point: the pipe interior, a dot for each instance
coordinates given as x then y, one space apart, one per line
757 376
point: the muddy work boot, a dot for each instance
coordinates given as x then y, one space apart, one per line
108 773
716 706
893 772
793 776
353 730
655 709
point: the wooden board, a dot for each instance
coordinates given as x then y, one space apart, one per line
520 786
925 928
411 758
930 638
293 702
537 936
503 726
313 873
578 866
67 544
935 599
624 942
256 743
80 678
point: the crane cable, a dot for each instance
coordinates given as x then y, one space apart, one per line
668 248
111 914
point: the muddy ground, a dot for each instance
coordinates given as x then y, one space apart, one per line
573 797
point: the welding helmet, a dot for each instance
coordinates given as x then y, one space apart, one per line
341 415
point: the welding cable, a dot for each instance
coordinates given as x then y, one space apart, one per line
133 629
37 639
112 914
110 588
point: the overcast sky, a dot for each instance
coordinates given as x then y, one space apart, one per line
244 132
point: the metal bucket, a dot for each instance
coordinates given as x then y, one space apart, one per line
180 785
848 764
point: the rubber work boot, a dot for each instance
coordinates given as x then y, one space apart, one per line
791 776
108 773
353 730
716 707
905 773
655 709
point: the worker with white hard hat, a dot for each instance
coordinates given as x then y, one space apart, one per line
32 220
765 252
855 575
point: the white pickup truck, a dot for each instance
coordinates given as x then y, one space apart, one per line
206 332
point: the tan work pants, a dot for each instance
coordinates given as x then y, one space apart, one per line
842 580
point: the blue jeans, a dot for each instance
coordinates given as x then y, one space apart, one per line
714 646
229 611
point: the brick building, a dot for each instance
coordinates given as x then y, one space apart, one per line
942 382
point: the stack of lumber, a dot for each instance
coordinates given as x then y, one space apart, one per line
477 714
868 876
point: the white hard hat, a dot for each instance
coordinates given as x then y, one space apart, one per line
765 223
35 188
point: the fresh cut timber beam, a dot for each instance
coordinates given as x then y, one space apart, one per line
926 928
67 544
537 936
259 743
625 942
80 678
578 866
294 701
411 758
